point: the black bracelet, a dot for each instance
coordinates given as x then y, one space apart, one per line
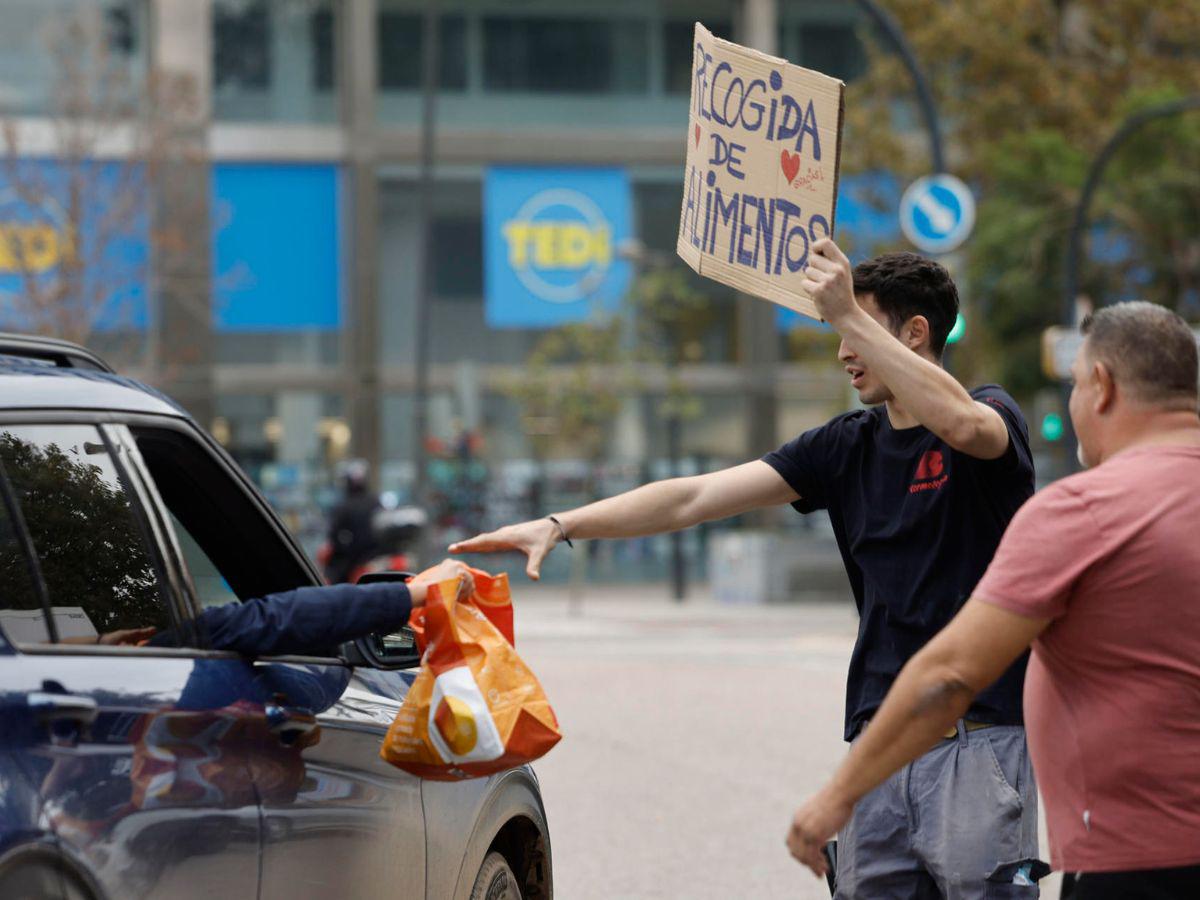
561 531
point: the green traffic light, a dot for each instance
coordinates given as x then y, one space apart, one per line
1052 427
956 333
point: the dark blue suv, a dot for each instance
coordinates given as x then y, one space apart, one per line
175 772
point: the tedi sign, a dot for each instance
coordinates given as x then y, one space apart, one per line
33 240
550 243
760 182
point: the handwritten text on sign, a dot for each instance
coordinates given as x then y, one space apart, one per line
760 183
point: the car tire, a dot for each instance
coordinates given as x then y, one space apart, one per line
38 882
495 880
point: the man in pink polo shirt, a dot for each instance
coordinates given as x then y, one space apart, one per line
1101 573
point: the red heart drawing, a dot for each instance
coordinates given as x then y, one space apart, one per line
790 163
697 135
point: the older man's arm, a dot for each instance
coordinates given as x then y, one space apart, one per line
933 690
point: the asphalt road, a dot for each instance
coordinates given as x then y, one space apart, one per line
691 733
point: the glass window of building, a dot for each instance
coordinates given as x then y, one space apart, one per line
458 272
676 29
833 48
274 60
241 47
565 55
677 50
401 54
103 40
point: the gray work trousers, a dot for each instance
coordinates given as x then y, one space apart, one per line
960 823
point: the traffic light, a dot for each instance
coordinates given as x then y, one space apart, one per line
956 333
1052 427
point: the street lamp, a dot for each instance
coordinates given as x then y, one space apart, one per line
1074 251
643 260
893 31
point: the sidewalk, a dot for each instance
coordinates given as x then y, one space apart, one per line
647 611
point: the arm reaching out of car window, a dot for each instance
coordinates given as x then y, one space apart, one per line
654 508
312 621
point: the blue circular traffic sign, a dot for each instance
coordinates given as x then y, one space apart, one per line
937 213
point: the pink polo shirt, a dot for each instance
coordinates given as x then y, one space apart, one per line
1112 695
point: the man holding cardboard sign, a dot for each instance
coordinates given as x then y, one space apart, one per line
919 487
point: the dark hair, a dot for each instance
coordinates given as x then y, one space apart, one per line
1149 350
906 285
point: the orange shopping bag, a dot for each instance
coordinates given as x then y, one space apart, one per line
492 598
475 708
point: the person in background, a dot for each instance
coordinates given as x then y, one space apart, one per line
351 533
1099 572
919 488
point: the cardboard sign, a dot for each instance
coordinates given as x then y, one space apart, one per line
760 185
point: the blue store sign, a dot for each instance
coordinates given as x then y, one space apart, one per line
88 265
275 247
551 239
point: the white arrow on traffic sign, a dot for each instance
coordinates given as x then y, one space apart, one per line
937 213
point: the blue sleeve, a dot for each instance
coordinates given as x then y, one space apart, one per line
309 621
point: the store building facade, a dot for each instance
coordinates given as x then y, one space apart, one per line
310 118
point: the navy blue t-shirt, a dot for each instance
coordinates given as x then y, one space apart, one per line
917 523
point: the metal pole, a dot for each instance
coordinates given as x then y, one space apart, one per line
430 64
1074 251
892 30
678 571
1079 220
356 28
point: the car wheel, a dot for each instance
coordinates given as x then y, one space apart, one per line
495 880
41 883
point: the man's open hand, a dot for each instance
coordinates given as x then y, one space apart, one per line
814 824
535 539
829 280
443 571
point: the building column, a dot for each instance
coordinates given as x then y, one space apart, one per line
180 249
758 333
356 41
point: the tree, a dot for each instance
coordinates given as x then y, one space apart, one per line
79 232
1029 90
572 389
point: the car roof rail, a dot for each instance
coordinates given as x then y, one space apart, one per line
61 354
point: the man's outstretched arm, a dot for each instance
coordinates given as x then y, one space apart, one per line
933 690
926 391
651 509
313 621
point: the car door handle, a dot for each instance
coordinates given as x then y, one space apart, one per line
50 707
290 723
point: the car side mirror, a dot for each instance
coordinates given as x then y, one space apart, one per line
396 650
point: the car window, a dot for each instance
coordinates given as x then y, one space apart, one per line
21 611
92 550
230 543
211 587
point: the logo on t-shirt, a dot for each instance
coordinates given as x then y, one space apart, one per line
931 473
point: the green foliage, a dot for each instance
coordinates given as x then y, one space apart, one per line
577 374
673 314
1029 91
572 388
87 541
